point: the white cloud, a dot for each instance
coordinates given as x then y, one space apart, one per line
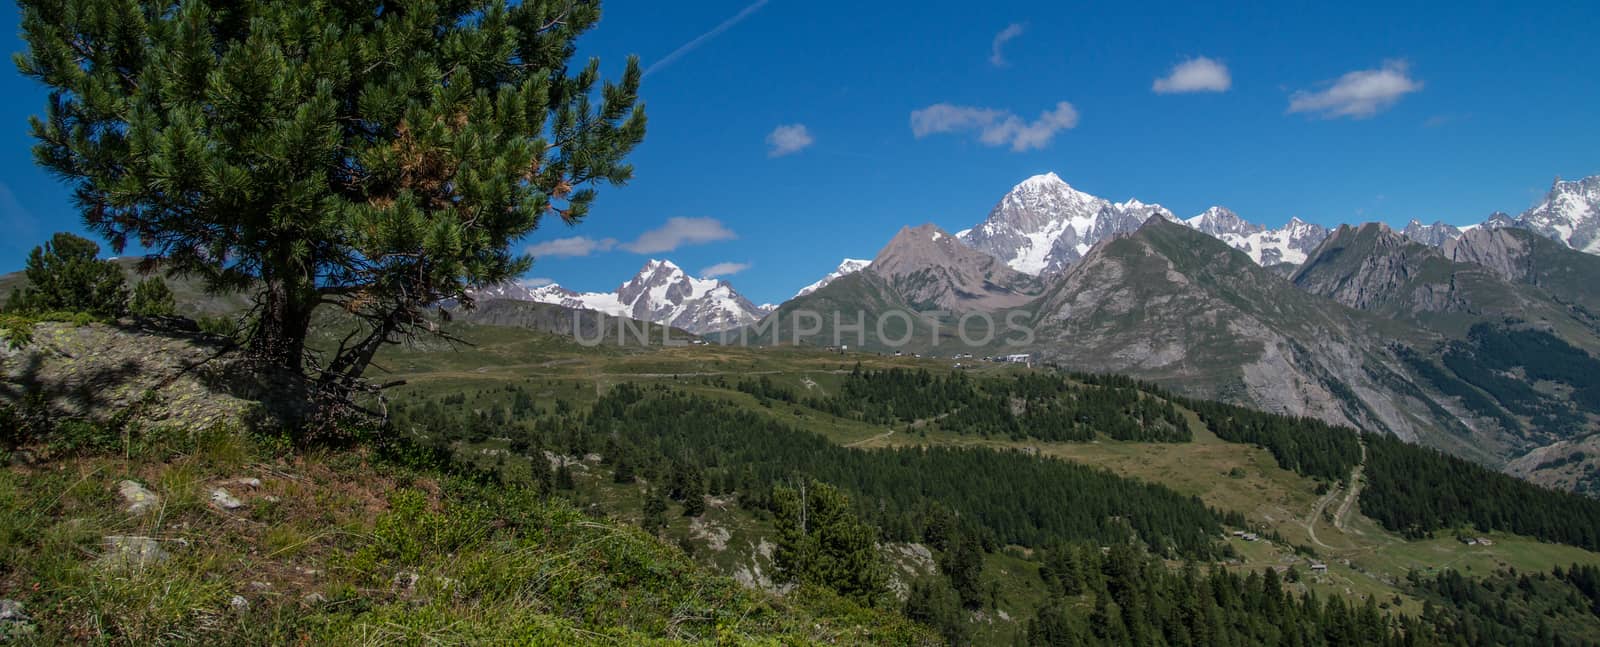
995 127
536 282
574 246
788 139
1199 74
702 38
996 56
723 269
1359 94
678 232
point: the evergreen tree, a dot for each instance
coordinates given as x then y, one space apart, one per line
152 298
375 156
936 605
655 513
820 541
67 275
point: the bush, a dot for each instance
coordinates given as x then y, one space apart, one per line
66 275
152 298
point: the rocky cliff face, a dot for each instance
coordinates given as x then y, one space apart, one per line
1435 235
1170 304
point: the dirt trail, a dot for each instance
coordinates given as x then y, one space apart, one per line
1342 517
864 441
1342 514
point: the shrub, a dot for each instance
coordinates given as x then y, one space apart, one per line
152 298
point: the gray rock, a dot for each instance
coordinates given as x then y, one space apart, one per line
128 551
11 611
222 499
313 599
239 604
138 498
249 482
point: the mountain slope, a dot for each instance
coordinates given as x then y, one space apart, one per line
1524 257
1267 247
1515 359
1173 305
932 270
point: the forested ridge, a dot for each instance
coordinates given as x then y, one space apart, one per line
1002 497
1041 406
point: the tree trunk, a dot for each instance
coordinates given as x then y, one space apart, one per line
280 334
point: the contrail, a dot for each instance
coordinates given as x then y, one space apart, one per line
702 38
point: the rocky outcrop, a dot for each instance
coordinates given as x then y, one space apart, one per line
158 378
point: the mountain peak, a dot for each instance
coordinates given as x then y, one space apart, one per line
1047 180
846 267
1216 221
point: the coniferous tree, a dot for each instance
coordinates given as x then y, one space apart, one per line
821 541
655 513
67 275
376 156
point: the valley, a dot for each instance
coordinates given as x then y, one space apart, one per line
1300 521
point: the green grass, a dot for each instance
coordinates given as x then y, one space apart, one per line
492 564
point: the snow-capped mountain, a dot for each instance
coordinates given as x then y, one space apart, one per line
1570 214
846 267
1043 224
1219 221
1291 243
660 293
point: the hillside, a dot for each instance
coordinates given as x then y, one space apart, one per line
155 528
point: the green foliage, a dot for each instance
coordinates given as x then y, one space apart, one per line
1561 607
152 298
1305 446
16 330
1416 491
1133 599
67 275
820 541
935 604
1000 497
377 157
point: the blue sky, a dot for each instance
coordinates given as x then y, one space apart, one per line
1331 112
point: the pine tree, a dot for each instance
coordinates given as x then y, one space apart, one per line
67 275
152 298
373 156
655 513
821 541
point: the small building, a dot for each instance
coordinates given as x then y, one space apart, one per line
1318 567
1250 536
1485 541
